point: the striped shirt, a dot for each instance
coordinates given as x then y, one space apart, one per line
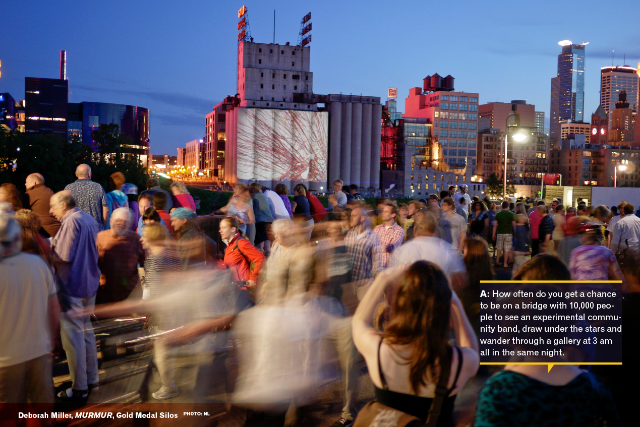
364 250
155 267
390 238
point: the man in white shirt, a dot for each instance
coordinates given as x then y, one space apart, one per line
626 233
425 246
613 221
337 188
463 194
278 205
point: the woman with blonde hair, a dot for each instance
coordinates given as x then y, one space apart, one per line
181 197
240 207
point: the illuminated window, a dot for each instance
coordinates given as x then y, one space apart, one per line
411 177
426 177
419 186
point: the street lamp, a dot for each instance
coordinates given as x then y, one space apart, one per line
519 136
622 168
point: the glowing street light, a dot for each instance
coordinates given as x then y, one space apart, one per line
622 167
520 135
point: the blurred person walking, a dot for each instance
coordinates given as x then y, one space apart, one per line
89 196
478 220
281 190
181 197
115 198
545 230
613 221
453 226
559 222
626 232
119 254
131 191
426 247
534 223
413 367
264 218
194 247
32 240
76 267
477 261
390 234
37 198
160 199
521 238
29 314
9 193
302 210
153 186
279 207
240 207
363 247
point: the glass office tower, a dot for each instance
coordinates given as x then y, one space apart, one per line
567 89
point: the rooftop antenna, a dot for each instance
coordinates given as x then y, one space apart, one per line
274 26
612 52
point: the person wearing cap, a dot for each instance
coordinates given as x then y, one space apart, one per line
194 248
463 194
131 191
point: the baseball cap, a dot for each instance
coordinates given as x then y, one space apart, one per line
129 189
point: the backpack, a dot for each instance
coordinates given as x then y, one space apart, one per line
251 264
318 211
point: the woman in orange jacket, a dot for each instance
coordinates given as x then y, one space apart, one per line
240 255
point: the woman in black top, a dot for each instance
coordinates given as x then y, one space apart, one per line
404 360
300 205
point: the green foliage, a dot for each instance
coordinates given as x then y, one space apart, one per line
56 158
494 187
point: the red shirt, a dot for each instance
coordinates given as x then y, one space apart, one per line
167 220
234 259
184 201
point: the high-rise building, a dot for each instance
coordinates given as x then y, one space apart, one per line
194 157
8 109
567 89
46 105
132 121
270 74
453 116
215 138
571 128
614 80
539 122
497 113
622 126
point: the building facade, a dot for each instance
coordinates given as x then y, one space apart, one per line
194 157
454 117
614 80
622 122
595 165
8 111
270 74
567 88
567 129
498 112
215 138
46 105
539 122
599 127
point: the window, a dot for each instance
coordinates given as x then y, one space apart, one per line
260 98
293 52
435 132
295 88
282 52
462 125
272 98
260 50
285 87
273 86
462 116
462 134
444 151
472 153
259 61
435 187
426 177
270 50
295 77
435 123
462 152
411 177
419 186
453 125
444 105
273 76
473 99
453 152
261 86
473 125
453 143
457 177
293 64
464 99
267 104
261 74
306 77
94 121
443 133
444 124
472 144
453 98
473 108
462 143
453 106
436 115
453 134
472 135
285 76
463 107
444 97
444 143
473 116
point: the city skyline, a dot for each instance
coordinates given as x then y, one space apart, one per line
179 62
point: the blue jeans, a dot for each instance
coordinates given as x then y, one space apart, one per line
79 342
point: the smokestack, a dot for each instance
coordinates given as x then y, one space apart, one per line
63 65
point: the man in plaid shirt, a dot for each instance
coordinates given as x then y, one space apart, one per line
390 234
363 247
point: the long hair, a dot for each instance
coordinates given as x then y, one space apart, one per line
13 196
477 260
420 318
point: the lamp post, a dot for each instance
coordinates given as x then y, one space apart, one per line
622 167
519 136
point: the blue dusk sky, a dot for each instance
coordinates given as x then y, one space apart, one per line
178 59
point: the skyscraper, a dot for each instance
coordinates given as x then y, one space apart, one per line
614 80
567 89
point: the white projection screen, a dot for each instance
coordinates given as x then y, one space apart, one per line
281 145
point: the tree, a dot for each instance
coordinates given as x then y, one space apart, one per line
494 187
56 158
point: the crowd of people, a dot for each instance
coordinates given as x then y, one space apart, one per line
395 284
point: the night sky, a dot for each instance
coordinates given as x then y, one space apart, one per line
179 58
